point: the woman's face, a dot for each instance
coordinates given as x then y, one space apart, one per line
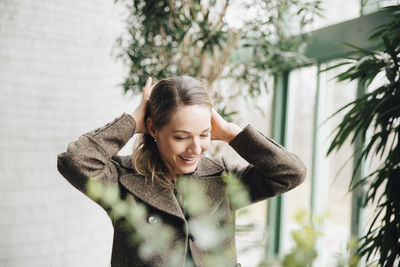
182 141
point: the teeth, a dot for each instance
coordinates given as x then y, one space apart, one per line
187 159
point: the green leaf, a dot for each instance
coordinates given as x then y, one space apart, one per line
359 49
377 112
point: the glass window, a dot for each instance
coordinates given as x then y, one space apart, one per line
302 87
250 243
370 6
335 170
337 11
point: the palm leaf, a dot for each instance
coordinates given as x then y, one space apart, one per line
378 111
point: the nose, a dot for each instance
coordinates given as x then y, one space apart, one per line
195 146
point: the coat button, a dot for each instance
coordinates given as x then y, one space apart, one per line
151 220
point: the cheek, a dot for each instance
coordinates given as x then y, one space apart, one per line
166 147
174 147
205 144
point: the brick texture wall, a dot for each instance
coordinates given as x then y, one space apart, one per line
57 81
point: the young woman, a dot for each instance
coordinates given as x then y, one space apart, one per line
177 123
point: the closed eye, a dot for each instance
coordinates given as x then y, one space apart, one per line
180 138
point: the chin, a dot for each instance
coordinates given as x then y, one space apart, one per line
188 170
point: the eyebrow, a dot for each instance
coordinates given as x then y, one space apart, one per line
187 132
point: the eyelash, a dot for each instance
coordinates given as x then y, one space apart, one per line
185 138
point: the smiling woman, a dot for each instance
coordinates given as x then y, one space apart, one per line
178 120
181 142
177 123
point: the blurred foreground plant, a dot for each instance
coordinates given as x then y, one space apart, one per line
347 258
303 253
375 118
153 237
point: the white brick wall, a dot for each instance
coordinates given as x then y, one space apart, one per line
57 81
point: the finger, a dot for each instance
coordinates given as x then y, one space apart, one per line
148 88
216 116
214 113
148 82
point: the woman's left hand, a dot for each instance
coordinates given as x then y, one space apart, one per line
221 129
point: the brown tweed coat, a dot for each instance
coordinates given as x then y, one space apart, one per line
271 171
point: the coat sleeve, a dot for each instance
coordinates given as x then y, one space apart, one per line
272 170
90 156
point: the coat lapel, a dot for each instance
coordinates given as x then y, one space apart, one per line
153 194
208 175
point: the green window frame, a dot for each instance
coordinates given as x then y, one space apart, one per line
326 45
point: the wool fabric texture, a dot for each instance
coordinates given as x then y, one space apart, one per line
271 170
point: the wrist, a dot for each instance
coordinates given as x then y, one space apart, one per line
136 118
232 131
132 115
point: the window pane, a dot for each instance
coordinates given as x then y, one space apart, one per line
302 86
336 170
337 11
250 244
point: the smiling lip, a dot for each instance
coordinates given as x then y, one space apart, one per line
188 160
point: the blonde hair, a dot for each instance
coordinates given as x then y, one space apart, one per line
166 97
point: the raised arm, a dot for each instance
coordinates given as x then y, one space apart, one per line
90 156
272 170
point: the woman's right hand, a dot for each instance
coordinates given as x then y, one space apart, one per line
140 112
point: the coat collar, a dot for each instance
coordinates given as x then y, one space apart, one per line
208 175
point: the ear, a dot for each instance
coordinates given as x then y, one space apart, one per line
150 127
